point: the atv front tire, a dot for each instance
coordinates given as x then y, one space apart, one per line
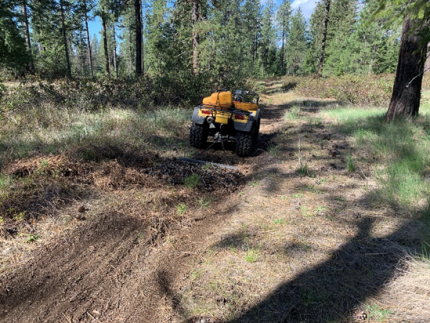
199 135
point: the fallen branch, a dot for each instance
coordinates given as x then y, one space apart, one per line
195 161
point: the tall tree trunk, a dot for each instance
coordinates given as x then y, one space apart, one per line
324 38
90 55
105 46
194 20
66 45
405 100
27 35
138 20
372 59
283 51
131 50
115 61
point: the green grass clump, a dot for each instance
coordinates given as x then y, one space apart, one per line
192 181
348 116
425 251
205 201
304 170
350 163
181 208
380 314
293 114
251 256
5 181
273 149
400 151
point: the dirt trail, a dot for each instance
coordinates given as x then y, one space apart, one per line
136 259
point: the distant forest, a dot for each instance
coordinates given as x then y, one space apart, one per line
218 38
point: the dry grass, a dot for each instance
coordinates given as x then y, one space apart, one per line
407 296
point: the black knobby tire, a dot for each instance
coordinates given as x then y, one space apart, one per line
199 135
244 143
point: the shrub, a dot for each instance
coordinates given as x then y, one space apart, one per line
180 88
365 90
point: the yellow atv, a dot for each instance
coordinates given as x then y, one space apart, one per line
227 116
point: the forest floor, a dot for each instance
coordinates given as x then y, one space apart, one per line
291 235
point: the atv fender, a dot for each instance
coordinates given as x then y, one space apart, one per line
246 127
196 118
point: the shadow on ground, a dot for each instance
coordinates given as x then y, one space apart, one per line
332 290
358 270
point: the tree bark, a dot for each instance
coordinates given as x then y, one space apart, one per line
324 38
131 51
194 20
105 46
138 19
115 60
283 51
90 55
405 99
27 35
66 46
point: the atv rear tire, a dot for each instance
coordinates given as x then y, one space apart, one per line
256 133
199 135
244 143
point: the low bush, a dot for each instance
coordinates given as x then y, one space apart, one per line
364 90
183 89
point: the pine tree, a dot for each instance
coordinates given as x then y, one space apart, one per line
83 13
26 27
127 46
297 44
52 24
138 36
13 53
338 53
97 56
103 12
283 19
155 36
375 45
316 29
405 99
324 36
251 18
268 40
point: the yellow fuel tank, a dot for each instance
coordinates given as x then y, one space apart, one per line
221 100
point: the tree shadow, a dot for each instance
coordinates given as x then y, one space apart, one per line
357 270
332 290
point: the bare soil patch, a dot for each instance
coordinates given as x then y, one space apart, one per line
121 238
